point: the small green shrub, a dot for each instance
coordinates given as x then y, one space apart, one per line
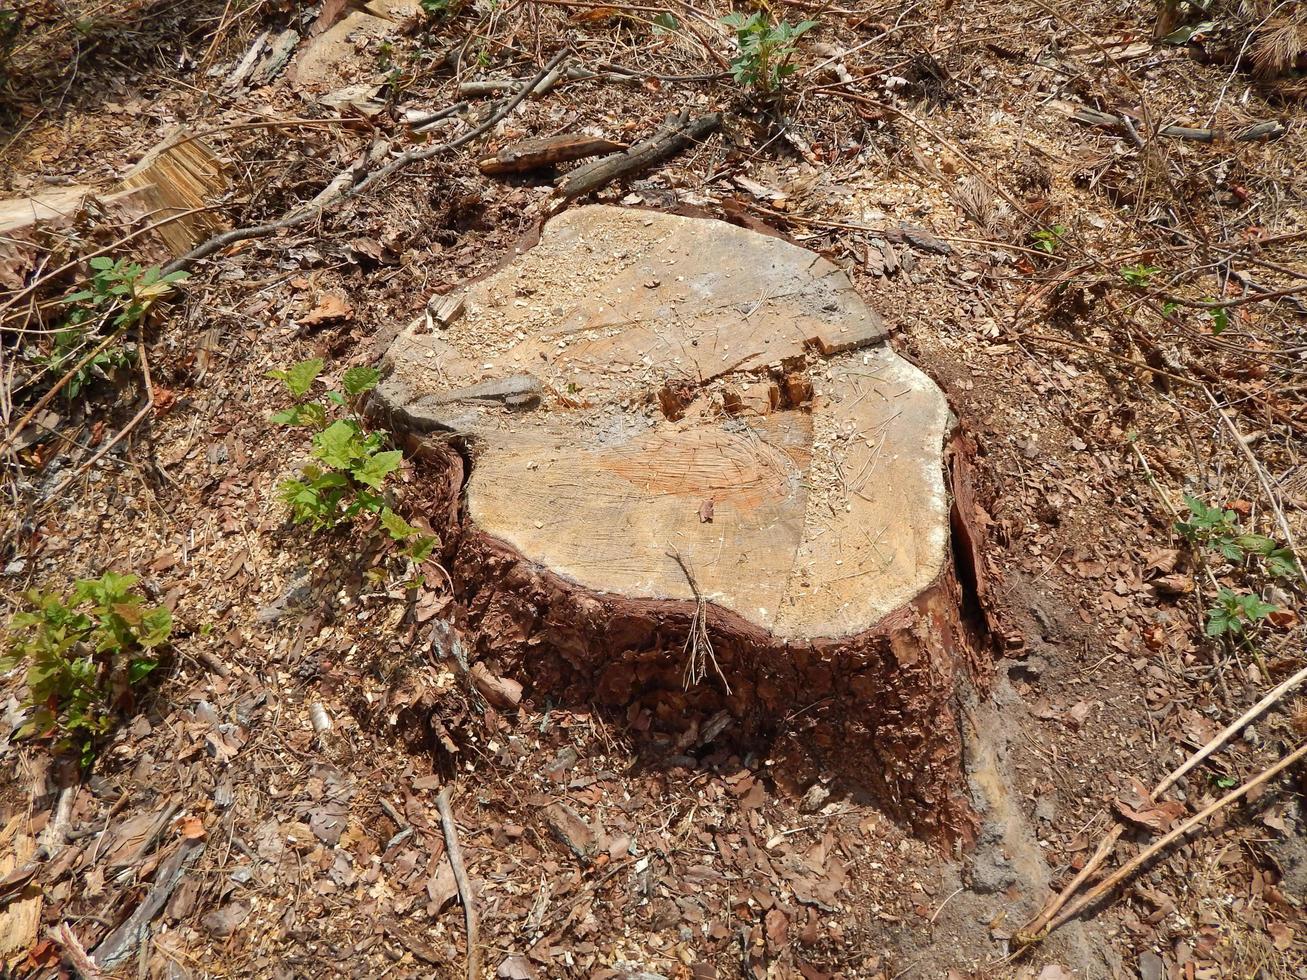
352 466
1218 530
764 50
84 655
1139 274
1049 239
119 295
1237 613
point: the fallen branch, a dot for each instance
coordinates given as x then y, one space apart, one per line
460 879
676 133
1039 927
1109 884
535 153
1087 116
309 213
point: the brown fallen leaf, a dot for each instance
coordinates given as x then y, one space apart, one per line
1157 818
191 828
331 306
1281 935
706 511
777 924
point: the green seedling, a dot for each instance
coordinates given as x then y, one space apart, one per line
1237 613
1139 274
85 655
1218 530
764 50
1049 239
351 467
118 295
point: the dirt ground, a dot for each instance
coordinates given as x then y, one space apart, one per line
622 841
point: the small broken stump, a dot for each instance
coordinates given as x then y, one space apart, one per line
683 439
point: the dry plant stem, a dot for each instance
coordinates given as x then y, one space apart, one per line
45 399
1262 478
305 215
122 433
460 879
1109 884
1035 929
698 644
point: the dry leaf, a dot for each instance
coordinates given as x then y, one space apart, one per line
1156 818
1281 935
192 828
331 306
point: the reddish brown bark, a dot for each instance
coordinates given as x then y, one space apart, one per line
874 716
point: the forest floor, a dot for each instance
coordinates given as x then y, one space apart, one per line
275 790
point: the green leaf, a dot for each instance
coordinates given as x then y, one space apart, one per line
1187 33
1281 564
398 528
375 469
1256 543
156 625
41 722
101 262
140 669
360 379
300 377
420 549
338 445
1220 320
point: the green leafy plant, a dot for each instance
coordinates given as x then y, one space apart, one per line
439 9
665 23
1048 239
84 655
1139 274
1218 529
1220 318
118 295
351 468
1237 613
764 50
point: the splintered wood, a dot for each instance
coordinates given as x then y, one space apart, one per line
824 486
179 180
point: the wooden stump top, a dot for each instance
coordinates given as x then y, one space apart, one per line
640 388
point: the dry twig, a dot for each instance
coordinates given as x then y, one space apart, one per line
1044 923
460 879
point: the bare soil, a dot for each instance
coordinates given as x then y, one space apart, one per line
608 832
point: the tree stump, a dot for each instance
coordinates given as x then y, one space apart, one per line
700 488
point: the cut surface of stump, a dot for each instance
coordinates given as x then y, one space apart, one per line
662 412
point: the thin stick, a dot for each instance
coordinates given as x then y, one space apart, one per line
460 879
1110 883
307 214
1035 929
